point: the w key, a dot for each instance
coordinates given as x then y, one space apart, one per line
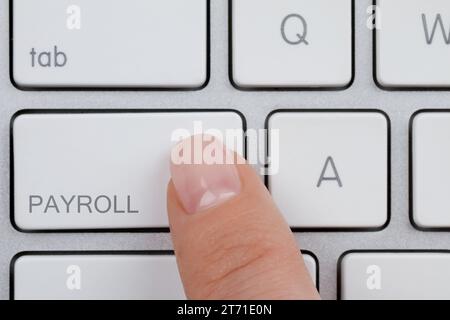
413 43
110 43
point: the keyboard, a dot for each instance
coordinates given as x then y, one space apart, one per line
342 106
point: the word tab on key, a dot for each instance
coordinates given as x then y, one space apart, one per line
110 44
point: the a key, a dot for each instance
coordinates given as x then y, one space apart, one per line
329 170
430 176
131 276
413 43
395 276
102 170
110 43
292 43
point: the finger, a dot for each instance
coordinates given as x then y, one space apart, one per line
230 240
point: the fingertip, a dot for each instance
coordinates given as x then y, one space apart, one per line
229 237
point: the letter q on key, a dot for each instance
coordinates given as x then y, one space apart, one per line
301 37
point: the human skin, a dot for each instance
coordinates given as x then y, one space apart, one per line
230 240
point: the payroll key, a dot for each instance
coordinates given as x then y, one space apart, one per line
102 170
110 44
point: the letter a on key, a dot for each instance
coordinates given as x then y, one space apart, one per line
74 280
374 279
74 18
329 163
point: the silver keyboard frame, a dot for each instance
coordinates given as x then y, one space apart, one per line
255 105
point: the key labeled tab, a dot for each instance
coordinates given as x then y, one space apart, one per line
105 170
110 44
414 53
292 43
395 276
332 169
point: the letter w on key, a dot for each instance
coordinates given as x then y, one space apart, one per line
437 22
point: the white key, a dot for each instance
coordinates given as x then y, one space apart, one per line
330 169
292 43
431 169
413 43
312 267
100 276
102 170
83 277
110 43
395 276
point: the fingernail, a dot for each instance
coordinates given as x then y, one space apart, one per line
204 184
